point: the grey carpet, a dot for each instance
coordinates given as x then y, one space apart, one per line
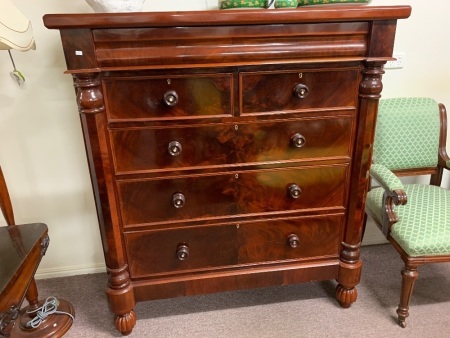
304 310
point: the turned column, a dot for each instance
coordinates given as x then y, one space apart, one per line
91 106
350 263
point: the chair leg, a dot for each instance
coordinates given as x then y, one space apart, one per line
409 276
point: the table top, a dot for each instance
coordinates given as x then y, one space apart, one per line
16 241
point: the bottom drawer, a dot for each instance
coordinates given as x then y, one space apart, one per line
207 247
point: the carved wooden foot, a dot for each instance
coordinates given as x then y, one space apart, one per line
125 323
346 297
409 276
121 299
349 275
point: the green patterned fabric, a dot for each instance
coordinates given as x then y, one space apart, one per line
285 3
329 2
229 4
385 177
407 133
423 228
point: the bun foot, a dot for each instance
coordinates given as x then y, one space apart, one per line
125 323
346 297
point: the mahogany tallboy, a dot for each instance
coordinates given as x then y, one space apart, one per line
228 149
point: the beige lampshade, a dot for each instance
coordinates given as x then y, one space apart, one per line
15 29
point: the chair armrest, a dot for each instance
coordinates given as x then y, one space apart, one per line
394 194
385 178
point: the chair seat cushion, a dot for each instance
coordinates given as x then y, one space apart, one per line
423 228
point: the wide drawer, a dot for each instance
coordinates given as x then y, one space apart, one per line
211 247
293 91
221 195
141 149
168 97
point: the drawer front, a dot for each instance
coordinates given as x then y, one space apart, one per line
143 149
298 238
202 248
153 252
168 97
263 191
296 139
148 201
147 149
292 189
293 91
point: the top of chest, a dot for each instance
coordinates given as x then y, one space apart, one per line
222 38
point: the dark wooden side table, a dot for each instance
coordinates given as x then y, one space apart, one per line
21 249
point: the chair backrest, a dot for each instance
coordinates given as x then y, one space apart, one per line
408 135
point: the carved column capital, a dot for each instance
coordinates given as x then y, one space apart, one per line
89 93
371 85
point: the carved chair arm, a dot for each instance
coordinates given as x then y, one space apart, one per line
394 194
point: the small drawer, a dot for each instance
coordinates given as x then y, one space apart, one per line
164 200
217 196
294 91
302 139
277 190
306 237
168 97
153 252
155 148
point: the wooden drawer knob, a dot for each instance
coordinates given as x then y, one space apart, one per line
298 140
171 98
301 91
182 252
294 191
174 148
293 240
178 200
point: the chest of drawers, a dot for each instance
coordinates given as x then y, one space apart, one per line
228 149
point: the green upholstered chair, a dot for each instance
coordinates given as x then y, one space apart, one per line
410 139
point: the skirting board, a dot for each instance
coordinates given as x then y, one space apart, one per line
67 271
372 236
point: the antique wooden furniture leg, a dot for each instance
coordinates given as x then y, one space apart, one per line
409 276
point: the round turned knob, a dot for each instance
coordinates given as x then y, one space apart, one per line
178 200
298 140
182 252
293 240
171 98
174 148
294 191
301 91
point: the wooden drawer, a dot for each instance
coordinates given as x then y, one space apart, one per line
208 247
150 97
141 149
306 237
152 252
280 91
212 196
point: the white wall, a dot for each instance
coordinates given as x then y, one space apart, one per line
41 146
